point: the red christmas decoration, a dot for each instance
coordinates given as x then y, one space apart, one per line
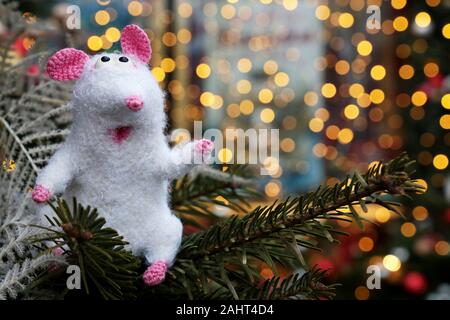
447 215
33 70
19 47
415 283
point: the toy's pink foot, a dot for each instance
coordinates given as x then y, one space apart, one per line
57 251
155 274
40 194
54 267
204 146
134 103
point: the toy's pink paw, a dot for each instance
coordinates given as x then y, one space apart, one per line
204 146
155 274
134 103
40 194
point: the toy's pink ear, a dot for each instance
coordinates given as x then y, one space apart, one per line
67 64
136 42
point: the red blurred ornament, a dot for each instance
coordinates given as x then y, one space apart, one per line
425 244
188 229
325 264
437 81
432 86
415 283
447 215
19 47
33 70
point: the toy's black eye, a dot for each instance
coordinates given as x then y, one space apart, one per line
105 59
123 59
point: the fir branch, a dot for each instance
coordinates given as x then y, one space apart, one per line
305 287
107 268
21 274
223 257
392 178
195 194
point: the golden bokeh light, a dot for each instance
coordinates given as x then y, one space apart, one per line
440 161
244 65
246 106
112 34
398 4
382 214
203 70
345 136
225 155
420 213
445 101
265 95
419 98
207 99
332 132
351 111
290 5
365 244
228 11
281 79
400 24
378 72
423 19
377 96
328 90
102 17
159 74
342 67
135 8
392 263
185 10
287 145
356 90
184 36
94 43
446 31
267 115
322 12
408 229
364 48
243 86
316 124
406 72
431 69
442 248
272 189
444 121
346 20
233 110
270 67
362 293
168 65
311 98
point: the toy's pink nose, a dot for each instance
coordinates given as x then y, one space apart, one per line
134 103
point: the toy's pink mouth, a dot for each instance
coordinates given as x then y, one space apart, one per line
120 134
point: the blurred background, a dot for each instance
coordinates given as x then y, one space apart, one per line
347 83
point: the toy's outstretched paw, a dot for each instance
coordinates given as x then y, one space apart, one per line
40 194
156 273
204 146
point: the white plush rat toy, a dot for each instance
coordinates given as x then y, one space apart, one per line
116 157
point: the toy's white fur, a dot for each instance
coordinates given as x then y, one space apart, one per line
127 182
